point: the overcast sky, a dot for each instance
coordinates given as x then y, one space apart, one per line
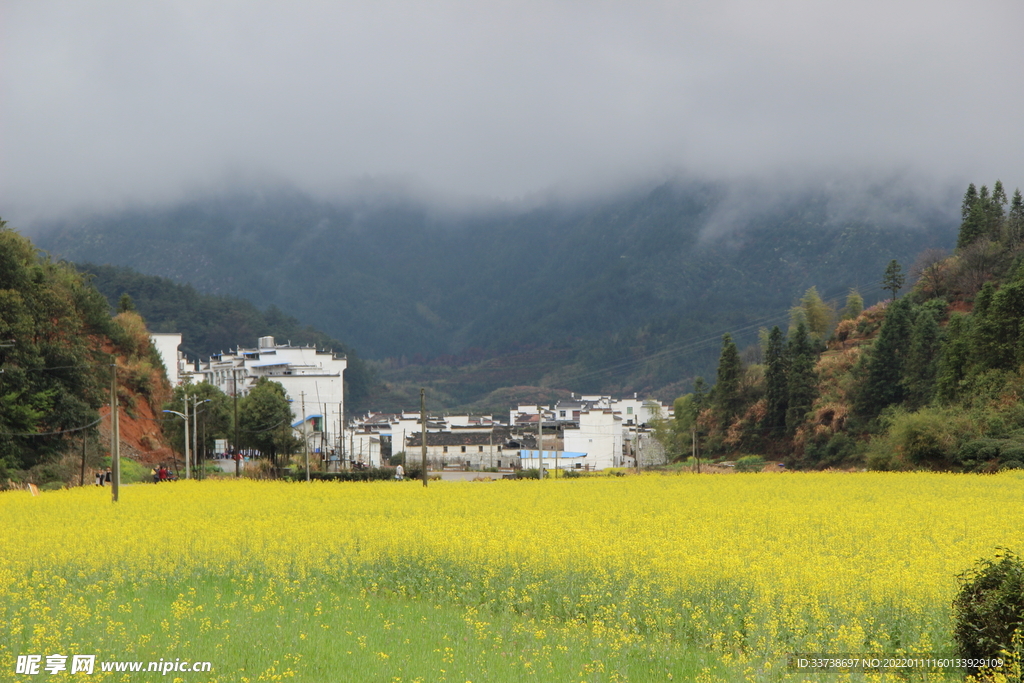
103 103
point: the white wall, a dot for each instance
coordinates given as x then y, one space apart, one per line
167 346
599 436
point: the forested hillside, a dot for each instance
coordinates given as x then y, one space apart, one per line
933 379
620 294
58 344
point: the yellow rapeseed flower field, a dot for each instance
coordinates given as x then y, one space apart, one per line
746 567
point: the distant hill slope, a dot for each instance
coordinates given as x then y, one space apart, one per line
210 324
395 278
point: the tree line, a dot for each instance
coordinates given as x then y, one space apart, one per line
932 379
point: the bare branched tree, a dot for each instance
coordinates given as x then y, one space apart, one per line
931 273
975 264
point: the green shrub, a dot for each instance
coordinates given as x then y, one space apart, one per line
990 454
930 437
367 474
990 606
750 463
837 450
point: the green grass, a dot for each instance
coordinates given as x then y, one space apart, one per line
321 630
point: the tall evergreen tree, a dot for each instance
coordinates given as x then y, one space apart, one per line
893 278
954 358
883 386
776 384
922 360
996 215
983 327
802 381
727 386
967 205
700 394
1013 228
972 217
1002 324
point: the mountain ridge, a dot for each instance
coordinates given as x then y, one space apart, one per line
399 279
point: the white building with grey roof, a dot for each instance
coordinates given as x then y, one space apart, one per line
313 379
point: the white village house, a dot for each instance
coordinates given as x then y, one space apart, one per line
313 379
166 345
589 432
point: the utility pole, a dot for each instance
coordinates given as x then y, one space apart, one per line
202 458
305 438
696 450
115 437
423 432
83 459
540 442
238 450
556 452
195 433
188 454
638 450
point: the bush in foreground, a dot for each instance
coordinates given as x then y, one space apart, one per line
990 606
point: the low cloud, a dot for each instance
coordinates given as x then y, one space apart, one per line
103 105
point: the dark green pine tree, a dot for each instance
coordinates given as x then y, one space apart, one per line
967 205
983 328
1003 322
700 394
971 218
922 360
883 386
954 359
1013 229
893 278
727 386
802 381
125 304
996 215
776 384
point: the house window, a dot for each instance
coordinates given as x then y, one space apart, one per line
561 413
444 449
463 449
481 449
629 410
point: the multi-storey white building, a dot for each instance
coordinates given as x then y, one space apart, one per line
167 344
599 435
314 381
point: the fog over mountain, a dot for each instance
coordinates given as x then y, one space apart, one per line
394 276
114 105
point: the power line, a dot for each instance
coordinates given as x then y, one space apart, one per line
674 349
63 431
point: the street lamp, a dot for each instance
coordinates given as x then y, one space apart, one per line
195 430
188 471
